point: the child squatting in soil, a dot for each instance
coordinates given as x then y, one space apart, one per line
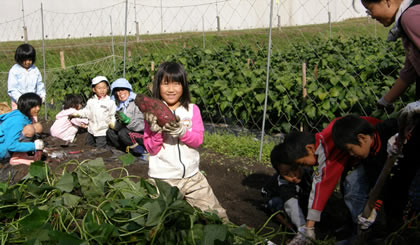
100 112
24 76
319 149
174 157
369 144
17 125
128 131
65 127
289 189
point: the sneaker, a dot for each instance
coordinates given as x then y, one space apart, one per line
144 157
138 150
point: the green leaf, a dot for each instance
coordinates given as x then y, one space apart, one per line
34 220
155 208
260 98
37 169
244 232
65 239
65 183
70 200
127 159
214 233
3 187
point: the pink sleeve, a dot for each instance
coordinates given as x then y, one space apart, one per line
194 137
152 141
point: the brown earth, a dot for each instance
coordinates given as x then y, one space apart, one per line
236 182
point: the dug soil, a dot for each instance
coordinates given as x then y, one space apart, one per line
236 182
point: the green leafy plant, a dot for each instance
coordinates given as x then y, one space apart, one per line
88 206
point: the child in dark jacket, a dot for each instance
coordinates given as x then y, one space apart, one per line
319 149
368 143
289 189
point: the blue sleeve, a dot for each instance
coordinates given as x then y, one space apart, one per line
14 144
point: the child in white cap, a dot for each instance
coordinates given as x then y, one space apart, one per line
100 111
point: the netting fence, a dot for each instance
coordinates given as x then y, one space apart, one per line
327 58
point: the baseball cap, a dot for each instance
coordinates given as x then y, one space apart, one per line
99 79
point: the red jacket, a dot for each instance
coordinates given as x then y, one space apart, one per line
331 163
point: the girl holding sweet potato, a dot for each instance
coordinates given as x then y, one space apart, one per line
174 157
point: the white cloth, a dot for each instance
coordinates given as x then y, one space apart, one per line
100 113
174 157
21 81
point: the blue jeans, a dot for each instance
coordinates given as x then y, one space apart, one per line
356 191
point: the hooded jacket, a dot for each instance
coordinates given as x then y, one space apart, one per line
128 106
64 128
11 126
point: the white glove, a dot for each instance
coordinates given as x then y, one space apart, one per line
176 129
392 147
411 109
304 236
365 223
405 119
382 102
152 121
39 145
111 125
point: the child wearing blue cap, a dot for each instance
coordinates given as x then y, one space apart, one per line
128 132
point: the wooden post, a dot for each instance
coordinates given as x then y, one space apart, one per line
129 52
137 32
25 34
185 45
304 91
248 62
62 61
152 66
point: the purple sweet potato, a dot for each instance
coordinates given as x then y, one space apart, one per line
158 108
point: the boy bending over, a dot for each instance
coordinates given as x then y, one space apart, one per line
319 149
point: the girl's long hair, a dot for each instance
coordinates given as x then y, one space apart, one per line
172 71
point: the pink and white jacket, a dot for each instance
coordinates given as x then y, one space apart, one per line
64 128
173 157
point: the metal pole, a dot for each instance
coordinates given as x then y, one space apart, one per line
217 18
112 43
43 60
25 29
136 22
266 82
125 35
161 17
204 37
329 21
375 29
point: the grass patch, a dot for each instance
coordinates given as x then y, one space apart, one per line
238 146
